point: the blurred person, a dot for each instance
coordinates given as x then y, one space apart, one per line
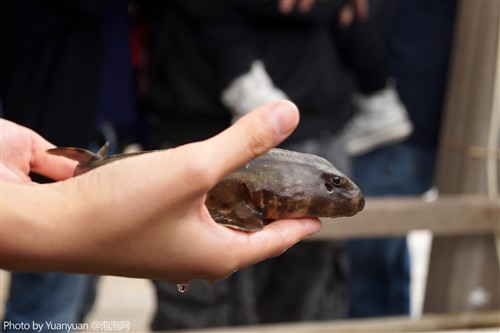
204 51
380 268
64 73
381 118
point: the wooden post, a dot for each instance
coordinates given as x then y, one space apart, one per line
464 271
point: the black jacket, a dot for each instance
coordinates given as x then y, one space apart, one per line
50 67
202 46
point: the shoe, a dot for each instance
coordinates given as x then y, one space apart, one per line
250 90
381 120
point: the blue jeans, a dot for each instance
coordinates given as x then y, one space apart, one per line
40 297
380 268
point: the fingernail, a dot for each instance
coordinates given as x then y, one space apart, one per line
284 117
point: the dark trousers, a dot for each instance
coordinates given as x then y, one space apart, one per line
380 268
363 47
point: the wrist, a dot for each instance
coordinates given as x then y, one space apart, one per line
29 219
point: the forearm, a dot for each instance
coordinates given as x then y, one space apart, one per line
144 216
104 222
64 227
32 232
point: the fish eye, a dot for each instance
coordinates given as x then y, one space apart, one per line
336 181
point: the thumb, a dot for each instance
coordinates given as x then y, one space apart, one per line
250 137
45 164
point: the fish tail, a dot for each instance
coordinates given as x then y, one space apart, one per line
103 151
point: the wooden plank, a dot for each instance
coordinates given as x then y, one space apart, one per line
428 323
461 268
468 119
464 276
448 215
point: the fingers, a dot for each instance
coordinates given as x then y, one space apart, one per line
45 164
306 5
24 151
286 6
346 16
352 10
362 9
276 238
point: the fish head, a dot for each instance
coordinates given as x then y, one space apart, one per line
336 195
289 184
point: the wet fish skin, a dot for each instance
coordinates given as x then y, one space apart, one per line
283 184
279 184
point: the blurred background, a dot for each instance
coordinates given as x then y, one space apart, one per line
403 96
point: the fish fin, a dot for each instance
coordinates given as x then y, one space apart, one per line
103 151
82 156
242 217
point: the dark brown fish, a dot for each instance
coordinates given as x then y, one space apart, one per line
279 184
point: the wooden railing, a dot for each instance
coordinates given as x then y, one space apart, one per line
447 215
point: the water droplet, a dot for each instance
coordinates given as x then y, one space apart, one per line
182 287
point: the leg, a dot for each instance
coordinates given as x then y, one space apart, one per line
380 268
41 297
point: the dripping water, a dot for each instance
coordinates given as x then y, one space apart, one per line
182 287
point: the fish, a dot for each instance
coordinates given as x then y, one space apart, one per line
276 185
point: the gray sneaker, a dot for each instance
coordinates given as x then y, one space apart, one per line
381 120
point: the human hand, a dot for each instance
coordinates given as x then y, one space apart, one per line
24 151
145 216
352 10
286 6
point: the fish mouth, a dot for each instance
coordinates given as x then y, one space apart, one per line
356 205
361 203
